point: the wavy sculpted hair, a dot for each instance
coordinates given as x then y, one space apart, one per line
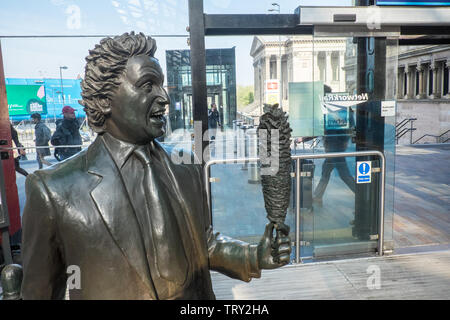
105 63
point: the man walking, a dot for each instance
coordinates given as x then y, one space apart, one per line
335 140
213 120
67 134
42 136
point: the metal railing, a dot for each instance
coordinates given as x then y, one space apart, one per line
400 131
438 138
248 119
298 159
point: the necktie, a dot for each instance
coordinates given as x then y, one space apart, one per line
170 257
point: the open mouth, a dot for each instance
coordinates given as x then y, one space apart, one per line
158 114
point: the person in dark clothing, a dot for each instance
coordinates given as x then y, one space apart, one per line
17 153
213 120
42 136
335 141
67 133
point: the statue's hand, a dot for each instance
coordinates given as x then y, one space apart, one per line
274 253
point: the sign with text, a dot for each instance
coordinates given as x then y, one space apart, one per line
26 99
388 108
272 91
336 108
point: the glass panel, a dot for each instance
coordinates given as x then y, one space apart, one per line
392 51
342 222
324 109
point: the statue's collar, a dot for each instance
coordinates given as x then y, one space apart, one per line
120 150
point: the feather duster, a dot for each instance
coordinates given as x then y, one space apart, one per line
276 185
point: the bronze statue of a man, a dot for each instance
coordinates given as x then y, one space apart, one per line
134 223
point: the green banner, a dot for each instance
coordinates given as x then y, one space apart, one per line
26 99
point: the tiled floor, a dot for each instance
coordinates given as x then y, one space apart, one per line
422 196
414 276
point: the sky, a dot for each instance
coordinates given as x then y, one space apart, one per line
41 57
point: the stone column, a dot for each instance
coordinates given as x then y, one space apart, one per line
256 70
316 70
266 76
341 71
420 69
436 90
447 64
267 68
279 77
329 69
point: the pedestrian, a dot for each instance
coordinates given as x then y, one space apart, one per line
67 134
335 140
19 152
42 136
213 120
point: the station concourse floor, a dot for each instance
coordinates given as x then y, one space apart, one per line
419 267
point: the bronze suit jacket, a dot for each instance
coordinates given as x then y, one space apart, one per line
79 213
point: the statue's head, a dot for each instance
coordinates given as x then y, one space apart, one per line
123 90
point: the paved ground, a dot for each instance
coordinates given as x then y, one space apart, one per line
412 276
422 196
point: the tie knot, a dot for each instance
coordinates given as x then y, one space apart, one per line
142 154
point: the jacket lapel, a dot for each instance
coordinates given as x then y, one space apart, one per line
114 205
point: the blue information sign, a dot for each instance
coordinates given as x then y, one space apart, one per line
412 3
363 172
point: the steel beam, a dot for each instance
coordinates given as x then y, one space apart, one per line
254 24
198 74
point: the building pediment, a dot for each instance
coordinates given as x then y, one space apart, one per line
257 45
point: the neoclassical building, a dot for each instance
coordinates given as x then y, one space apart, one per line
423 91
296 59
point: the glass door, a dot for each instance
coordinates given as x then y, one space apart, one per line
346 104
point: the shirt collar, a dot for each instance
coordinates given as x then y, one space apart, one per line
120 150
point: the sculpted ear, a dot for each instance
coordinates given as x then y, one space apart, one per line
104 104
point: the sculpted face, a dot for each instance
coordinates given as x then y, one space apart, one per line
139 103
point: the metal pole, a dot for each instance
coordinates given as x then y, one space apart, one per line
4 219
8 188
279 54
198 73
381 226
62 90
297 210
410 135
